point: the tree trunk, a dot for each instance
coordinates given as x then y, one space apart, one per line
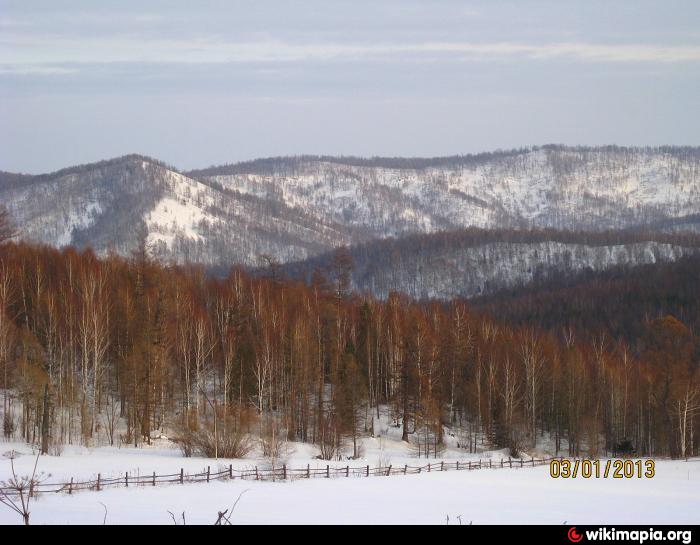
45 422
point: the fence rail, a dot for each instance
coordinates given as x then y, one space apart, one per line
275 474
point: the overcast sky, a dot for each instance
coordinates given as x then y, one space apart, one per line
206 82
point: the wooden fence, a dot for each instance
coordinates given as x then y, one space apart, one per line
275 474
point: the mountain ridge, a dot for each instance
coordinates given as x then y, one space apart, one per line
294 208
359 160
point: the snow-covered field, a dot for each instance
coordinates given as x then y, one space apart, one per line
527 495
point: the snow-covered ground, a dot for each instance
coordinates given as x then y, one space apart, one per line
527 495
164 458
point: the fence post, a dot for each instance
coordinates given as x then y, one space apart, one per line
328 471
534 462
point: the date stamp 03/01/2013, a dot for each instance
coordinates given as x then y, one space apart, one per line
602 469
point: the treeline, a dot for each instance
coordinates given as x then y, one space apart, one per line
289 165
118 349
684 152
10 180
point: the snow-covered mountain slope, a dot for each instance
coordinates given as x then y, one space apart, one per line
294 208
109 205
552 186
473 263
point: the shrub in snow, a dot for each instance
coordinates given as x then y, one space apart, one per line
216 436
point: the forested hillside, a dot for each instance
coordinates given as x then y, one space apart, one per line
574 188
112 205
476 262
619 303
110 349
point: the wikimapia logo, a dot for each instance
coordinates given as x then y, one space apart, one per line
573 535
636 536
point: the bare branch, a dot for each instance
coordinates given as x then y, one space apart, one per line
224 520
104 520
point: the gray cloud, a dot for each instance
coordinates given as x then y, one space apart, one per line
205 82
19 51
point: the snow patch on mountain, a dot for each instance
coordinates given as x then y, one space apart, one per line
77 220
181 212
